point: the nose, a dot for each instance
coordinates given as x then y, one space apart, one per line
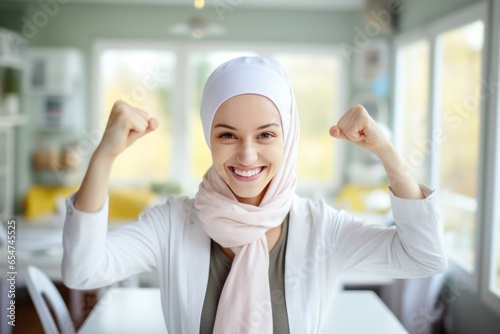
247 154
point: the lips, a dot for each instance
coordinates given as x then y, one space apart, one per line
246 173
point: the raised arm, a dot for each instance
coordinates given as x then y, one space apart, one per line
415 247
92 256
357 127
125 125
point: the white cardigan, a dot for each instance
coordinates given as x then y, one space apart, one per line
322 242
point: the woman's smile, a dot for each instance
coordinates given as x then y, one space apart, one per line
246 174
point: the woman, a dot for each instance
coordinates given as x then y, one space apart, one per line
247 255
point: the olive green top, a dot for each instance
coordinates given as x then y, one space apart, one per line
220 265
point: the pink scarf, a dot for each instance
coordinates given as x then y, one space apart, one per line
245 302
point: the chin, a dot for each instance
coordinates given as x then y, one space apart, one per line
247 195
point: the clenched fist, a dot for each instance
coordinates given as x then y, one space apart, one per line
125 125
356 126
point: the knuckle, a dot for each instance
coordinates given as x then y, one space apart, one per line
359 108
118 104
120 107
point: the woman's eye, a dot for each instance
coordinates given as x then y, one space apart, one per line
226 135
266 135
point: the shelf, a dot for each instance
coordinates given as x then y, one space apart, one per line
11 62
50 91
12 120
58 177
57 130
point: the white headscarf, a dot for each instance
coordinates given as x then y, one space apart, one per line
245 302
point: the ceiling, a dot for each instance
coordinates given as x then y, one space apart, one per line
277 4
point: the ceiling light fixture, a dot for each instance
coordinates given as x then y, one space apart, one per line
199 4
197 25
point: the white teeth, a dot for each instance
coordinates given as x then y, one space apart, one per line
247 173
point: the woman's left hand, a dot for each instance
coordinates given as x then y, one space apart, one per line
356 126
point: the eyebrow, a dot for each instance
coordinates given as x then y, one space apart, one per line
222 125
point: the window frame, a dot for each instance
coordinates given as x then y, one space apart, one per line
397 119
183 95
492 167
431 32
488 193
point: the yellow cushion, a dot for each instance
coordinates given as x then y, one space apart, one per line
352 197
124 204
41 200
128 203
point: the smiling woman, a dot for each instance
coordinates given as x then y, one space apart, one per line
245 152
247 242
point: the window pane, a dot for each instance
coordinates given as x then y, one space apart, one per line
143 78
412 108
316 81
201 66
460 81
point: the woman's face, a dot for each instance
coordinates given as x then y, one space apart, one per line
247 145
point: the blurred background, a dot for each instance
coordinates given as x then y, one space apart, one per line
426 70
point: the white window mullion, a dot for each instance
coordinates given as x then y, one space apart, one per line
435 105
490 289
180 122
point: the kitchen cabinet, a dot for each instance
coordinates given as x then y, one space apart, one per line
54 96
11 115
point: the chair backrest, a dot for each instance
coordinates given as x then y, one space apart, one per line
46 297
419 309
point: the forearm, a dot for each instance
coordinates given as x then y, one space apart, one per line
400 180
94 189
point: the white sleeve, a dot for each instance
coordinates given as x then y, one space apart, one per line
94 257
413 248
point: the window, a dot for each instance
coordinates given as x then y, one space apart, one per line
316 82
459 53
464 126
412 107
490 292
143 78
438 124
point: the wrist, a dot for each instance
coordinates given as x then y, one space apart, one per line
385 152
102 157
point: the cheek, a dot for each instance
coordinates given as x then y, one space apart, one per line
275 156
219 157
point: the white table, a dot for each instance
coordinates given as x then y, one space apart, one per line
139 310
361 312
126 311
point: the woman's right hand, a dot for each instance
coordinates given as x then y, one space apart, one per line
125 125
